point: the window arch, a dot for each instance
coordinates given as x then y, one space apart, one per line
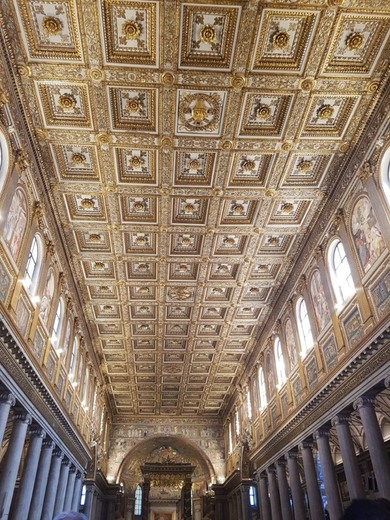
33 265
57 325
279 361
262 390
4 157
385 175
138 501
340 272
304 328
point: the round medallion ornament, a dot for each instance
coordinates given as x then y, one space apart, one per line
263 112
186 241
273 241
133 106
87 203
141 240
238 209
308 84
67 102
96 74
99 266
139 206
238 81
325 112
287 207
305 166
200 111
78 158
194 164
208 34
248 165
135 161
131 30
143 268
229 241
354 41
95 237
280 39
189 208
52 25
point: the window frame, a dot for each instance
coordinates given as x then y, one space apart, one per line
384 175
138 500
34 259
262 390
279 362
340 274
57 325
304 327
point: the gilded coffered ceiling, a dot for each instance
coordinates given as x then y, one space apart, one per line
188 148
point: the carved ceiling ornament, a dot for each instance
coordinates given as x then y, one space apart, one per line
200 112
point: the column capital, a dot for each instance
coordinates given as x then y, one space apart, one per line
23 417
306 444
263 475
292 455
321 433
387 381
57 453
271 470
78 474
7 398
72 468
48 443
364 401
341 418
281 462
65 462
37 431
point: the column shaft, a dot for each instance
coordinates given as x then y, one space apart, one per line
274 494
351 467
52 484
313 490
10 463
77 492
6 401
61 487
376 446
41 481
283 490
26 486
296 487
330 480
69 489
265 505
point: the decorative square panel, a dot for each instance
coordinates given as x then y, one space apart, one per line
242 329
175 344
194 168
141 270
142 292
209 329
136 166
107 311
99 269
191 211
239 212
76 162
223 271
103 292
133 110
257 294
200 368
288 212
112 344
284 37
147 344
85 207
275 244
93 241
358 39
230 244
110 328
236 344
139 209
183 271
213 313
178 312
329 116
250 170
173 357
141 243
306 169
248 313
264 271
205 344
184 244
51 29
180 293
65 104
218 294
141 329
208 36
200 112
145 368
131 32
143 311
145 357
265 114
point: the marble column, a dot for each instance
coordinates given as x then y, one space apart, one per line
10 463
274 493
77 492
61 487
296 486
6 401
350 463
313 490
265 505
69 489
52 483
26 486
330 480
89 499
41 480
376 446
283 490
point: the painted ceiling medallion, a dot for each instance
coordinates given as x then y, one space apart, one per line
280 39
131 30
325 112
263 112
208 34
52 25
354 41
67 102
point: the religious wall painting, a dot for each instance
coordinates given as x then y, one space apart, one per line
329 351
284 403
5 282
319 301
50 366
22 316
367 236
15 225
68 397
47 296
311 372
353 327
66 339
270 373
38 344
60 384
290 344
380 294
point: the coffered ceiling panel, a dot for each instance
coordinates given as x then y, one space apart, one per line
188 149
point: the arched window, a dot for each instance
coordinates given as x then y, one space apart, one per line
340 272
385 175
304 328
4 158
238 425
73 361
279 361
57 325
249 404
252 496
230 438
262 391
33 265
85 392
138 501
